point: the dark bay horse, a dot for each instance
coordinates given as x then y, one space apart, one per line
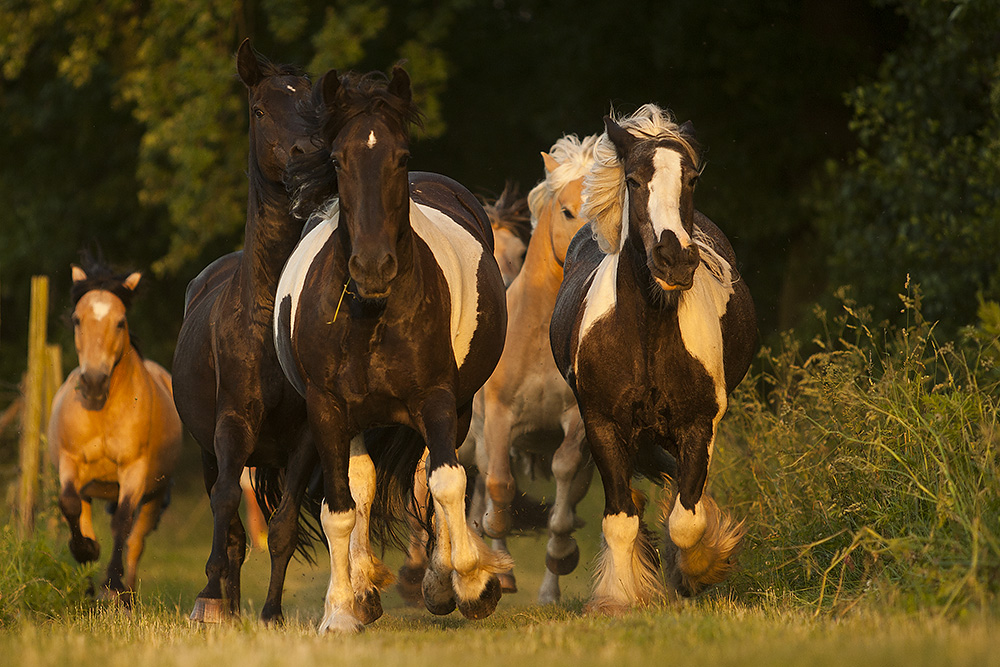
529 408
390 311
229 389
114 433
652 329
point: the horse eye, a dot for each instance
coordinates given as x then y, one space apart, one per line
335 162
568 214
631 182
258 112
75 320
404 159
694 180
121 324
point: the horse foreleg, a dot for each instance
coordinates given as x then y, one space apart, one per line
701 539
500 487
145 522
219 598
413 569
283 528
572 470
82 542
475 565
627 572
368 573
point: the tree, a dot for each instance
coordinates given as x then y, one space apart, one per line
919 196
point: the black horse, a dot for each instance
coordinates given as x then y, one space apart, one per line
391 311
652 330
228 387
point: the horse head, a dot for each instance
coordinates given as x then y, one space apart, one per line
366 132
511 223
557 201
660 170
100 330
278 95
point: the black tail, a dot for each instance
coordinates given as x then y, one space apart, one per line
396 452
654 462
268 486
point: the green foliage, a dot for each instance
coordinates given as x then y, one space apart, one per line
37 580
919 197
868 469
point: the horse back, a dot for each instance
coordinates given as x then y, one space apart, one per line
211 277
454 200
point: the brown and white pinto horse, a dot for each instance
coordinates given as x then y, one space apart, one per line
390 311
653 328
114 433
230 391
527 404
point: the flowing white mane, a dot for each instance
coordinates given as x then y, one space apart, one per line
575 156
604 195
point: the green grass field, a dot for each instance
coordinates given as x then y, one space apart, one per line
865 464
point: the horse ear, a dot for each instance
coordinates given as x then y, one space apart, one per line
247 65
550 162
400 84
79 274
687 129
330 85
620 137
132 281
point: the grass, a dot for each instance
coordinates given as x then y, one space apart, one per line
865 463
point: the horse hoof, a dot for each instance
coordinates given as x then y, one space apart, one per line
272 617
368 606
85 550
564 565
439 597
508 584
209 610
485 604
342 624
409 585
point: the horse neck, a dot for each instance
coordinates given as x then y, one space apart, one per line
541 265
270 236
128 371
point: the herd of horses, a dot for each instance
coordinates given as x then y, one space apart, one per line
380 333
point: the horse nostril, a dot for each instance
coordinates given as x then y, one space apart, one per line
387 267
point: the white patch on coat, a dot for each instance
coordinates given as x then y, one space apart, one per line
100 306
601 297
371 139
290 87
699 317
687 527
665 195
458 253
293 276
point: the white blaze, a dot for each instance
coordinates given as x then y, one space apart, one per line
665 195
100 307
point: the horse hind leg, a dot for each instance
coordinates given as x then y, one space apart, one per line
573 471
695 559
414 567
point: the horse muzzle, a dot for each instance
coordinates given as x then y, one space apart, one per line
674 268
93 388
373 278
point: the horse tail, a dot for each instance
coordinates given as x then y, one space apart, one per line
268 486
711 559
396 452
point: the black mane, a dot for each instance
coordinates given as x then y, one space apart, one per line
100 276
311 178
510 211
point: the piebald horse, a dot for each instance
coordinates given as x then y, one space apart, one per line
114 433
528 405
230 391
390 311
653 327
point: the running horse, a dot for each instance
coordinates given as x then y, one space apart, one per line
114 433
528 407
230 391
653 328
511 223
390 312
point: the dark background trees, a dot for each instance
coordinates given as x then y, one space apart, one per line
850 142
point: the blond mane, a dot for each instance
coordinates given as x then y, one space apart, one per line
575 156
604 195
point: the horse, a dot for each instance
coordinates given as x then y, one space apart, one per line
113 432
652 328
229 389
390 312
511 225
528 407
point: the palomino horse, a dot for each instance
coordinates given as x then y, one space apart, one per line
230 391
390 311
653 328
114 433
528 405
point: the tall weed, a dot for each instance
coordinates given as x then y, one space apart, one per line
866 464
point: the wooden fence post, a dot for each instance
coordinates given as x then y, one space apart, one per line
31 415
53 380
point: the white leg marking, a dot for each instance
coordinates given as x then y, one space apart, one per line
338 612
686 527
367 572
